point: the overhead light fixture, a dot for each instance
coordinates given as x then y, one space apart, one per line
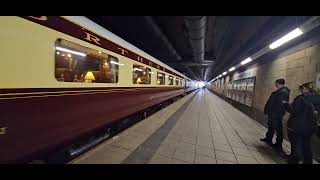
137 69
246 61
231 69
224 73
293 34
113 62
71 51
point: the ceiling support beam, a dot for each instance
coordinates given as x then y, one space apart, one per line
163 37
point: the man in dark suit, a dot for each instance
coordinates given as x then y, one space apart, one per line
275 109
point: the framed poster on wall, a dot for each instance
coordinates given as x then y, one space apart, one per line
232 90
238 91
228 90
250 91
243 89
235 85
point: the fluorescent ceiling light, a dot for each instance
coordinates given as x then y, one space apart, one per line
246 61
293 34
70 51
231 69
224 73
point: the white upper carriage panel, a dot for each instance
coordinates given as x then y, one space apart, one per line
61 52
90 25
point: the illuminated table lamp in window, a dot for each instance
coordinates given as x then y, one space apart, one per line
158 81
138 80
89 77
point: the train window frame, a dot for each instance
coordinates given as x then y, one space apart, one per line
170 81
143 69
158 82
75 63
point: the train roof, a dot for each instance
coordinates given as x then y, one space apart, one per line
90 25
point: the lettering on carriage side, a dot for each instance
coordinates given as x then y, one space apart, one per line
56 23
140 59
91 38
41 18
123 51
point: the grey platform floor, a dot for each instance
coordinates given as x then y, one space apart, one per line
200 128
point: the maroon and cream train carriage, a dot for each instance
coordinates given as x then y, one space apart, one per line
63 77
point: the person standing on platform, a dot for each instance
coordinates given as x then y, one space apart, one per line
275 109
302 123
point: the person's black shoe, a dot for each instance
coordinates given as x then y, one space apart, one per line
278 148
266 140
287 156
292 161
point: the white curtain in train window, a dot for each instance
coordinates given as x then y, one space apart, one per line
317 83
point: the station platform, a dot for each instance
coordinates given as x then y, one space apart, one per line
199 128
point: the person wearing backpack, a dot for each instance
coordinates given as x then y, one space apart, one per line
302 123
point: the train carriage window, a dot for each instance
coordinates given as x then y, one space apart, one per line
177 81
141 74
170 80
76 63
161 78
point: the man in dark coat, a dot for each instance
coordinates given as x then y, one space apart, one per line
302 124
275 109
